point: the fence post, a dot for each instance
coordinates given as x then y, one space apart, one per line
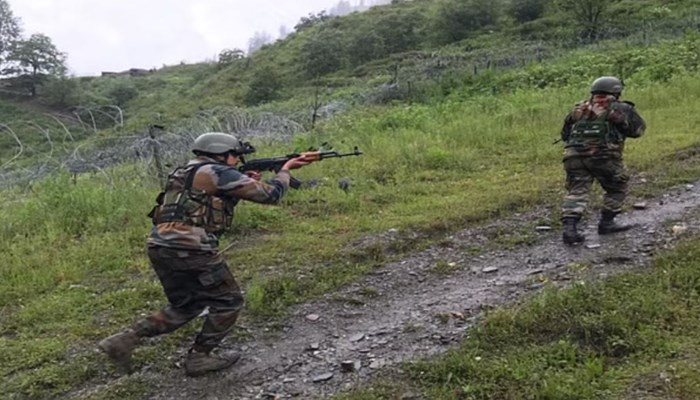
155 148
317 103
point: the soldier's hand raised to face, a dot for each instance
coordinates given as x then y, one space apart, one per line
617 117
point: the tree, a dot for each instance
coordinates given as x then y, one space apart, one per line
364 46
527 10
121 91
322 53
264 86
342 8
227 56
34 59
311 20
258 40
63 92
456 19
399 30
9 29
590 15
283 32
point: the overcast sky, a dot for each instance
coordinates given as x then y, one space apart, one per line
115 35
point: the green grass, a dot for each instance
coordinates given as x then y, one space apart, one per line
634 336
73 264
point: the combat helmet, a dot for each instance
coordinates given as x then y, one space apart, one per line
607 85
220 143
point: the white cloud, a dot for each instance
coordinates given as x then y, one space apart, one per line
110 35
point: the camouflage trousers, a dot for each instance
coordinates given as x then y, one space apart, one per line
580 174
193 281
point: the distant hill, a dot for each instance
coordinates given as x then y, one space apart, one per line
405 52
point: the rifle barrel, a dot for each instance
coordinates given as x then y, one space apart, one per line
333 154
274 163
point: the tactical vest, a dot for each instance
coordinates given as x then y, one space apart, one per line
597 132
180 202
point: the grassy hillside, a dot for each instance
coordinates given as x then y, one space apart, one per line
74 268
415 52
423 47
421 69
457 149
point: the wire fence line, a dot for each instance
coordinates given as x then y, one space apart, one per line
422 68
78 145
91 139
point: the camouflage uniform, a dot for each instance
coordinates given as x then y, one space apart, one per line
195 207
183 247
594 133
589 158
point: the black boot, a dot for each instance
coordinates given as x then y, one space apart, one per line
119 348
571 235
197 363
607 224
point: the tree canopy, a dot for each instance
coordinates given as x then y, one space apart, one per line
9 29
35 58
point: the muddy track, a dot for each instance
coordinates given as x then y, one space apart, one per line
409 309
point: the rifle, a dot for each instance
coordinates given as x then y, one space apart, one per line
276 163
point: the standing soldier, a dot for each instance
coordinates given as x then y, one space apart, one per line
594 133
195 207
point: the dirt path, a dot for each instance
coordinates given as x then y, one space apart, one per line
406 309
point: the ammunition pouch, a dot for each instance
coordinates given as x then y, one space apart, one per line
597 132
191 206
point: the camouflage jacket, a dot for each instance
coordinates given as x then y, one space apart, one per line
223 186
619 120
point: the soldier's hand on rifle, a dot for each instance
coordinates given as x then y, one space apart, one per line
255 175
305 158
